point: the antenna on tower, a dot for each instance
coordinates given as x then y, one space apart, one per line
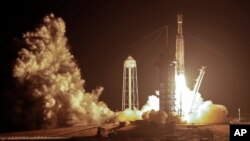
130 86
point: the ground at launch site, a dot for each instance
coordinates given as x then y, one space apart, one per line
138 130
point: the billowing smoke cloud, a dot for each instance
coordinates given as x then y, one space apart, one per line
155 116
209 113
152 103
194 108
149 111
129 115
53 88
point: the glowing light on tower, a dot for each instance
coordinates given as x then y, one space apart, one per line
130 85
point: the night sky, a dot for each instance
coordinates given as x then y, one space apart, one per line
101 35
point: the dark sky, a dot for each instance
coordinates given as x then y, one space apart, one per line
103 33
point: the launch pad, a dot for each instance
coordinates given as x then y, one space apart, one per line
139 130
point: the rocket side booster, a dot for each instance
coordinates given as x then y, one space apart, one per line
179 55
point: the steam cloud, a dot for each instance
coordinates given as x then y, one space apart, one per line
129 115
152 103
209 113
150 111
54 94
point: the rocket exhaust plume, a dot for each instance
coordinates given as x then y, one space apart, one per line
54 95
189 103
194 108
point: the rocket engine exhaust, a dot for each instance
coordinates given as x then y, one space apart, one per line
188 103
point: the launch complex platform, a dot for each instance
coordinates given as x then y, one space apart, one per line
140 130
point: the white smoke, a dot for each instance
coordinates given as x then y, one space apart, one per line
204 112
129 115
149 111
152 103
52 81
208 113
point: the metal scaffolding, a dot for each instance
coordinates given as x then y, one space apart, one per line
130 86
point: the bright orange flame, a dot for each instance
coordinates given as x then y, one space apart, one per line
184 96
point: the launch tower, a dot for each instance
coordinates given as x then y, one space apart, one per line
167 84
130 86
171 64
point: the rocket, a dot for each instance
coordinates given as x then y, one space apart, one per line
179 54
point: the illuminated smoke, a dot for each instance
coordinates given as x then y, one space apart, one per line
149 111
152 103
54 94
155 116
197 111
129 115
208 113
